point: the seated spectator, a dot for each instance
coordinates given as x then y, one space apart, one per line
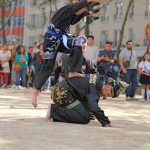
106 61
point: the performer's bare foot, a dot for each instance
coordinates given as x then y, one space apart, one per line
48 114
34 98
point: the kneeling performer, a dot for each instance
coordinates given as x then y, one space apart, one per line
74 98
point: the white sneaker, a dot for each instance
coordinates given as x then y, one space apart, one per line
143 100
13 86
128 98
22 88
16 87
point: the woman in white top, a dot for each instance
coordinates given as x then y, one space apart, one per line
5 56
144 71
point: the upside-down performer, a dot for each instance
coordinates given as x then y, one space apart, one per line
57 40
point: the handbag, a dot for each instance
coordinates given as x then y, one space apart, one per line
126 63
17 67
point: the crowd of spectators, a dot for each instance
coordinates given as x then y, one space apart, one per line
20 66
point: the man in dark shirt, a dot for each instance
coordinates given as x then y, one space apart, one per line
71 108
57 40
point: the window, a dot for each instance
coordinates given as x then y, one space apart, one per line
119 10
105 12
104 37
147 11
131 35
32 20
131 13
8 38
20 3
148 5
38 20
18 21
116 37
8 22
31 40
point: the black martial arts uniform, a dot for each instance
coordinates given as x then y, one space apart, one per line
55 38
75 109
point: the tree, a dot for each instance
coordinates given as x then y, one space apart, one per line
6 7
123 26
52 4
95 8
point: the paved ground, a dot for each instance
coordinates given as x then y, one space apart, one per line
24 128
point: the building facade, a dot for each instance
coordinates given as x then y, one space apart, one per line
14 20
106 28
37 18
31 19
112 15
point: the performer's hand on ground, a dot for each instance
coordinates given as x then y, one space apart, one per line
113 126
34 98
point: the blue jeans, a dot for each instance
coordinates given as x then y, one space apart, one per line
37 68
131 78
22 75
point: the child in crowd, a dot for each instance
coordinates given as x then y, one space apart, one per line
144 71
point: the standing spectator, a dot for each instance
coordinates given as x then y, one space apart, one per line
9 47
91 52
22 59
106 61
13 72
128 62
58 66
36 47
37 60
5 56
144 71
30 66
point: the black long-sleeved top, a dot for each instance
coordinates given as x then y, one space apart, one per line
91 93
66 16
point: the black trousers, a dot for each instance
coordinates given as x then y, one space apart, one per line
51 46
77 114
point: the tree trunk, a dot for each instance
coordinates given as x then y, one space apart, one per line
3 22
123 27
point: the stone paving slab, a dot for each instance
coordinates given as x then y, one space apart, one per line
24 128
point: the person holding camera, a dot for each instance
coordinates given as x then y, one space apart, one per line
128 63
106 61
